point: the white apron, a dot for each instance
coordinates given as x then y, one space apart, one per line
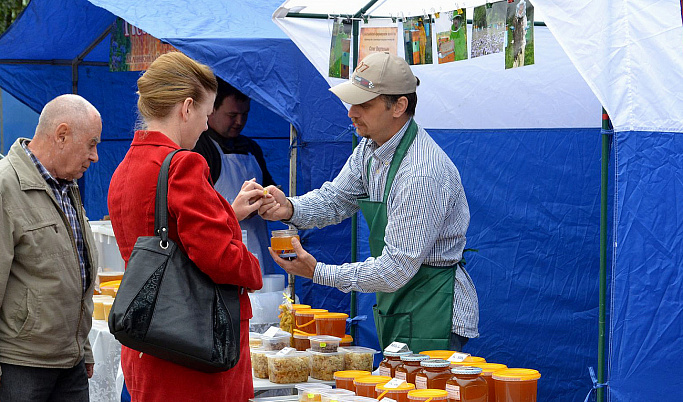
235 170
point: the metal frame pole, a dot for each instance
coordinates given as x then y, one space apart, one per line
292 189
606 133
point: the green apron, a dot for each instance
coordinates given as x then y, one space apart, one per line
419 314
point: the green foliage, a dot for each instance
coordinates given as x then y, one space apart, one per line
9 11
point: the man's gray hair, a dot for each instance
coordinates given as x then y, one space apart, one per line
71 109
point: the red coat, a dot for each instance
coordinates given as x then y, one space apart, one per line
204 225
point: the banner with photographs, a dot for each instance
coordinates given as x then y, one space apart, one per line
451 35
377 39
340 49
519 44
488 29
132 49
417 38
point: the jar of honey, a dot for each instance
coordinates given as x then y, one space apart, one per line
516 385
410 365
333 324
281 243
433 374
467 385
399 394
344 379
391 361
487 371
304 319
300 340
431 395
469 360
365 386
347 340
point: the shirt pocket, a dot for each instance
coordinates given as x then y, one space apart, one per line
45 247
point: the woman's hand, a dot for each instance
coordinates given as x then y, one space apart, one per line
276 208
249 199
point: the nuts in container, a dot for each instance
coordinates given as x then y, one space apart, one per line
358 358
324 343
288 366
324 365
254 340
275 340
259 362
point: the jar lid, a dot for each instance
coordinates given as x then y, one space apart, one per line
405 386
488 368
372 379
438 354
428 393
331 316
312 386
347 339
358 349
435 363
300 307
397 354
474 359
516 374
310 311
284 232
351 374
313 352
467 370
414 357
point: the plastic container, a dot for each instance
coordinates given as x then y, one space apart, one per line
359 358
467 385
487 371
300 340
281 242
432 395
254 340
399 394
344 379
290 368
516 385
259 362
333 395
277 342
304 319
469 360
324 343
391 361
98 306
365 386
410 365
347 340
311 392
438 354
333 324
356 398
106 306
324 365
296 307
433 374
110 259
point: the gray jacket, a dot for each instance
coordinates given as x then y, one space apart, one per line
44 316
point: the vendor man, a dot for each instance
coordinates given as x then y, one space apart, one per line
411 195
234 158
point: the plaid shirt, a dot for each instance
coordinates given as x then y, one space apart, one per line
428 217
60 188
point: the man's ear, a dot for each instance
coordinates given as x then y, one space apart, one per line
400 106
62 132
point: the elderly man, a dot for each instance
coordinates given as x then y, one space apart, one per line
411 195
47 257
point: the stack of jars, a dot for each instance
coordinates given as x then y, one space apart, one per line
326 359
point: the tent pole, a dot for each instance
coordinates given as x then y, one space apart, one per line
79 59
354 219
292 188
606 132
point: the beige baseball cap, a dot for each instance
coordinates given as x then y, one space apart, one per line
377 74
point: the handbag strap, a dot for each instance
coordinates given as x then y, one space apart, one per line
161 203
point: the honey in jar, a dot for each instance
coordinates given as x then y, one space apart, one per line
409 366
487 371
433 374
300 340
281 243
365 386
333 324
344 379
516 385
304 319
399 393
391 360
423 395
467 385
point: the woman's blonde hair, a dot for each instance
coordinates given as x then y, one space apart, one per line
169 80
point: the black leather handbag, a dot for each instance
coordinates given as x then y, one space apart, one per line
167 307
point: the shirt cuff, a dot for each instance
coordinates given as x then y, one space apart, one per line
295 215
324 274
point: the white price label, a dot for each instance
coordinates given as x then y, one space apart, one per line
457 357
396 347
394 383
272 331
453 392
285 352
386 371
421 382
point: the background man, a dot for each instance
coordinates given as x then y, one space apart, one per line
234 158
47 257
412 198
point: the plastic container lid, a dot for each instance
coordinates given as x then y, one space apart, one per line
372 379
310 391
290 355
397 354
351 374
405 386
310 311
414 357
261 351
438 354
313 352
347 339
255 335
466 370
516 374
334 394
359 349
428 393
469 360
354 398
435 363
323 339
300 307
488 368
331 316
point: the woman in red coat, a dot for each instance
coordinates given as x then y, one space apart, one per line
176 97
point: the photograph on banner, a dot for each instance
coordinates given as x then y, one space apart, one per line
340 49
377 39
451 35
132 49
417 37
519 41
488 29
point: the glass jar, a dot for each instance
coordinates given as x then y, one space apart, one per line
433 374
365 386
281 243
487 371
399 394
344 379
432 395
410 365
391 361
467 385
516 384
